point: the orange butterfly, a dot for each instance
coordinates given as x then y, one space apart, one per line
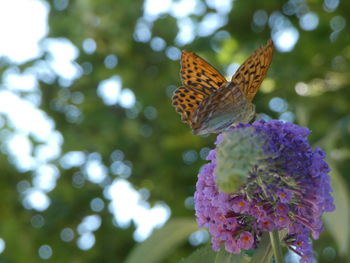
208 102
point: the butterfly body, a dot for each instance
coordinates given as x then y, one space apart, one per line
208 102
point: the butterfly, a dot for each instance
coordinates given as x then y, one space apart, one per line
208 102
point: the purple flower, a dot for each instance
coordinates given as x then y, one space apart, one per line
264 177
245 240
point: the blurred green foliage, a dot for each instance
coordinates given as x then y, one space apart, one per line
318 66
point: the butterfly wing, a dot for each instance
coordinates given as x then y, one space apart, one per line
199 80
252 72
221 109
187 99
195 70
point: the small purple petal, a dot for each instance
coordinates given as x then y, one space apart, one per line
246 240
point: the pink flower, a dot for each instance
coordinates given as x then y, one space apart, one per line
246 240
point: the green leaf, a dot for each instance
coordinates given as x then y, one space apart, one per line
204 254
225 257
163 241
207 255
337 222
264 252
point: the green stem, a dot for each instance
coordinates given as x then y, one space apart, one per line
276 246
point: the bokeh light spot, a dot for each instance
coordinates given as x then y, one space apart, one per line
154 8
36 199
45 177
150 112
86 241
260 18
173 53
287 116
190 156
117 155
210 23
337 23
329 254
2 245
97 204
89 45
199 237
127 204
89 224
308 21
72 159
109 90
285 39
330 5
186 32
60 4
302 89
231 69
203 153
127 98
20 41
95 171
142 31
111 61
67 234
23 186
45 252
223 7
61 59
158 43
189 203
278 105
37 221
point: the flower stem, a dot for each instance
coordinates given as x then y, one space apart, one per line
276 246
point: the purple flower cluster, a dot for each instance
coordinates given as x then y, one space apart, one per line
289 189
